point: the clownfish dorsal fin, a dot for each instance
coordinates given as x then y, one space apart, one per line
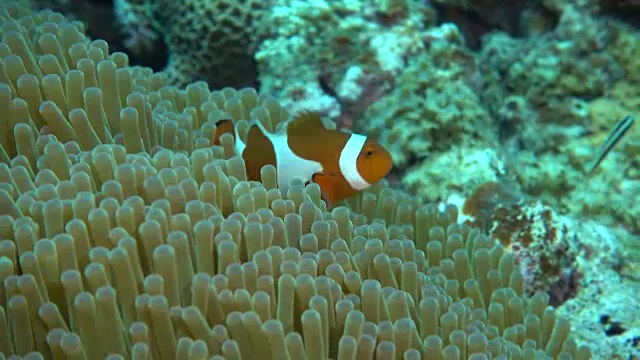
373 137
304 123
309 138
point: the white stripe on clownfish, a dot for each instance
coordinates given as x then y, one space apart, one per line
239 145
349 159
289 166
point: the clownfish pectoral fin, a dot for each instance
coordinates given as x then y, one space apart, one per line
327 183
224 126
306 122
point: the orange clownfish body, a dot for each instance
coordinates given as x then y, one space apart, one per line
340 163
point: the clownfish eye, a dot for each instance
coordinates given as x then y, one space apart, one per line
368 153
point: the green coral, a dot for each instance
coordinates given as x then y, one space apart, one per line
626 49
557 72
555 97
434 107
321 44
312 40
393 7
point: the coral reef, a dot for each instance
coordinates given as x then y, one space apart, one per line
212 40
434 105
432 178
543 243
609 322
554 73
338 55
584 266
125 232
555 97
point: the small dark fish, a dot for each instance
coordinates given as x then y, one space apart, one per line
614 136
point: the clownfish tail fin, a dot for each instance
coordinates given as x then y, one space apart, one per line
224 126
227 126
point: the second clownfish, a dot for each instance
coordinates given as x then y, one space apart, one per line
342 164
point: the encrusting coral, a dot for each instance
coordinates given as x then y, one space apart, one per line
126 234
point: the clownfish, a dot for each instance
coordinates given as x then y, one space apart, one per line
342 164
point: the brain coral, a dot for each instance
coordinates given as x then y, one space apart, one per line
126 233
211 40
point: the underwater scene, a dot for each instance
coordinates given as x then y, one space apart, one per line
320 179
